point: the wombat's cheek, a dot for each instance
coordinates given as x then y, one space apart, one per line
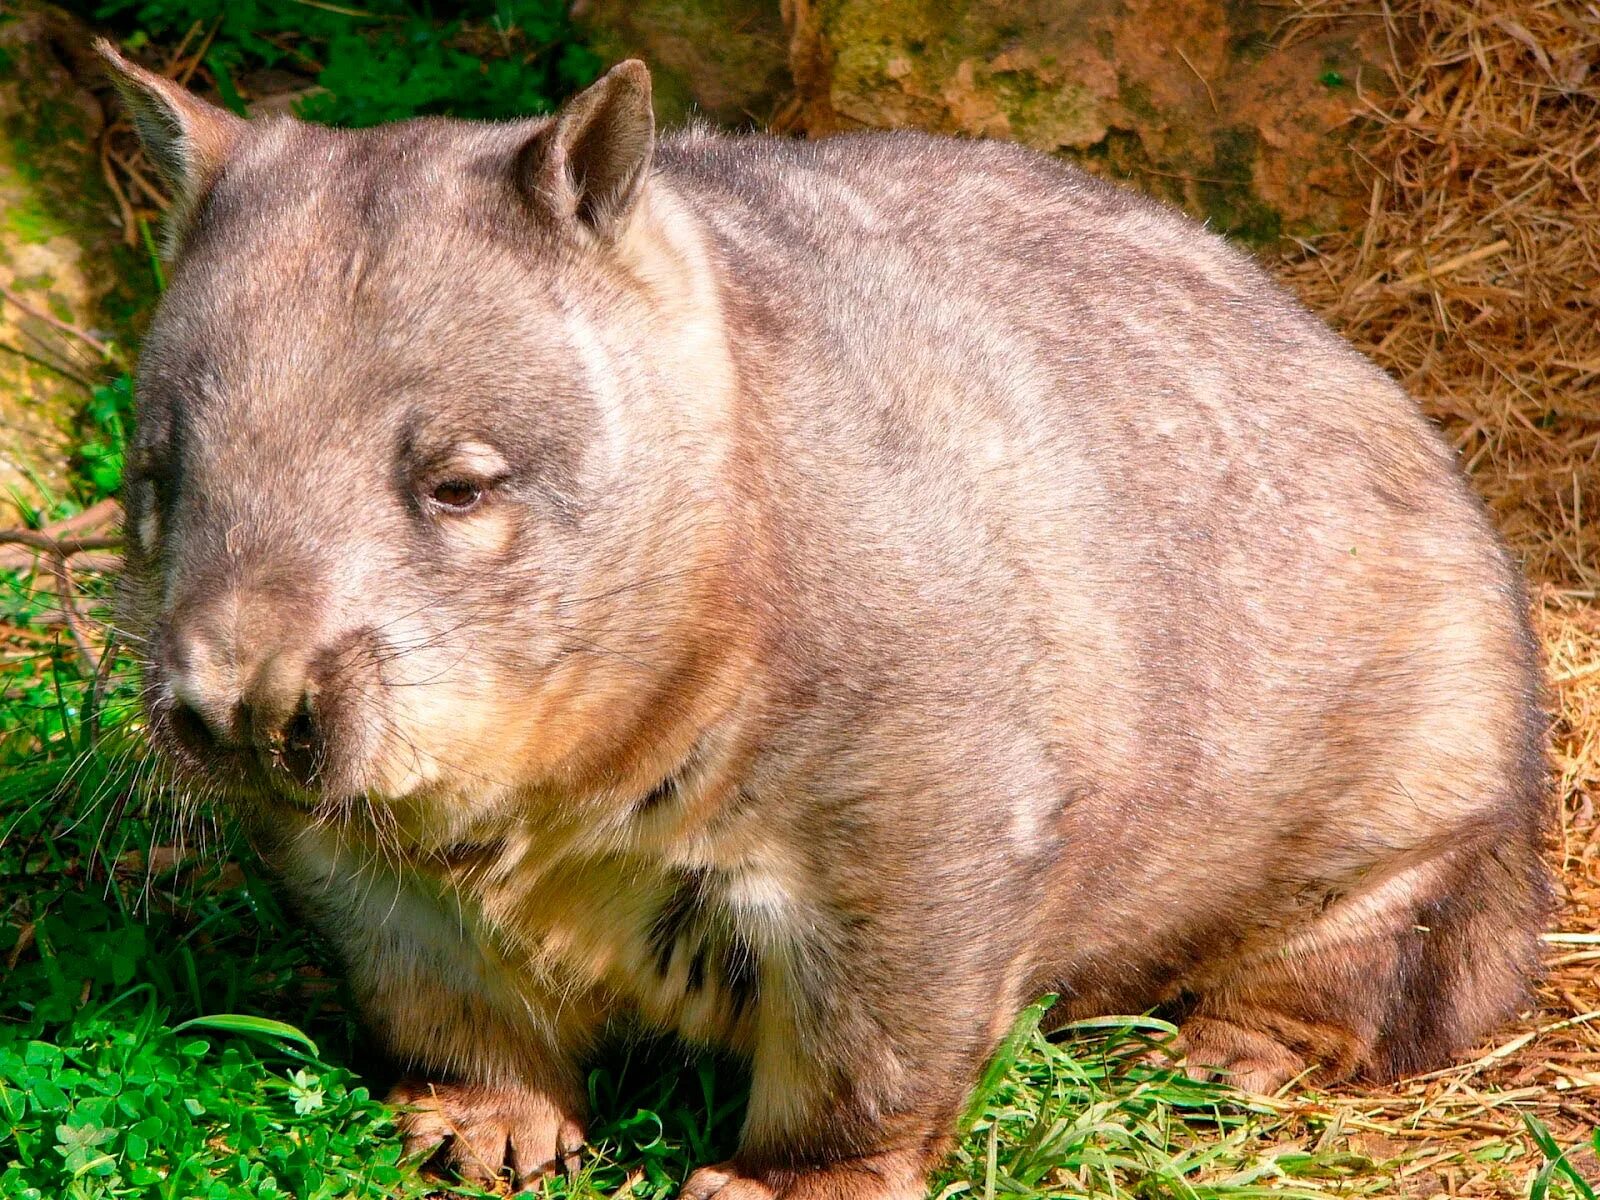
355 730
433 736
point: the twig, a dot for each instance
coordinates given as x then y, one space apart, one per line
74 618
344 12
102 514
70 536
1452 264
1574 673
187 73
81 380
1509 1048
150 190
130 223
24 941
10 632
97 562
177 54
97 690
59 547
105 351
1206 83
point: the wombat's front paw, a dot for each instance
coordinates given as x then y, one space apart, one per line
487 1132
881 1177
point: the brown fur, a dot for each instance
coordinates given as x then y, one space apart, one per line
909 576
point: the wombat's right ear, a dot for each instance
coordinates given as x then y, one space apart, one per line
187 139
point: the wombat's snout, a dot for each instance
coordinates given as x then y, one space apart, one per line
246 697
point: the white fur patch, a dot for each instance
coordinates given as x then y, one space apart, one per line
148 528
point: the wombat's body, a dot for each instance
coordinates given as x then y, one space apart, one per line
898 577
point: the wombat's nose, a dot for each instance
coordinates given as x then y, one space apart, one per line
190 729
296 747
270 715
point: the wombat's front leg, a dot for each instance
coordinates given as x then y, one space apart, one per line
846 1106
492 1092
494 1085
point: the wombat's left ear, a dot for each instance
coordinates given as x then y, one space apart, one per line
590 163
186 138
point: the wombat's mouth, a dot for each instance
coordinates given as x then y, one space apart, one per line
295 785
290 770
286 762
275 787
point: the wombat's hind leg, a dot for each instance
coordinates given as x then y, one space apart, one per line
1469 960
1388 981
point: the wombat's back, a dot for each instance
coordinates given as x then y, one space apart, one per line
1051 448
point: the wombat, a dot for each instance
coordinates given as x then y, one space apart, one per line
812 599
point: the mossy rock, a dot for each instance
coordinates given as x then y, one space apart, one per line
725 60
61 252
1202 102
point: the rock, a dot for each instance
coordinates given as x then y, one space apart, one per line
1222 106
61 252
724 59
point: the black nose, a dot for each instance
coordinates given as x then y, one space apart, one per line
296 747
190 730
293 746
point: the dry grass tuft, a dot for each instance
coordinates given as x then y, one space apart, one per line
1476 281
1476 278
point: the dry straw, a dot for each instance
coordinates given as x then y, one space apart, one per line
1476 281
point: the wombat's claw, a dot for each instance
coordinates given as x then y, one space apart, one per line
882 1177
487 1133
725 1183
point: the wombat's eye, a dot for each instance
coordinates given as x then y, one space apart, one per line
456 495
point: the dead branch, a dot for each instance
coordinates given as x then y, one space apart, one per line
104 349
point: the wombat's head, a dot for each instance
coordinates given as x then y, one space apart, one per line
418 506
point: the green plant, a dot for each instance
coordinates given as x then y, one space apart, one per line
1558 1170
108 418
381 61
1088 1111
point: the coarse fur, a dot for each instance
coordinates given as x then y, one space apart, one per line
813 598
